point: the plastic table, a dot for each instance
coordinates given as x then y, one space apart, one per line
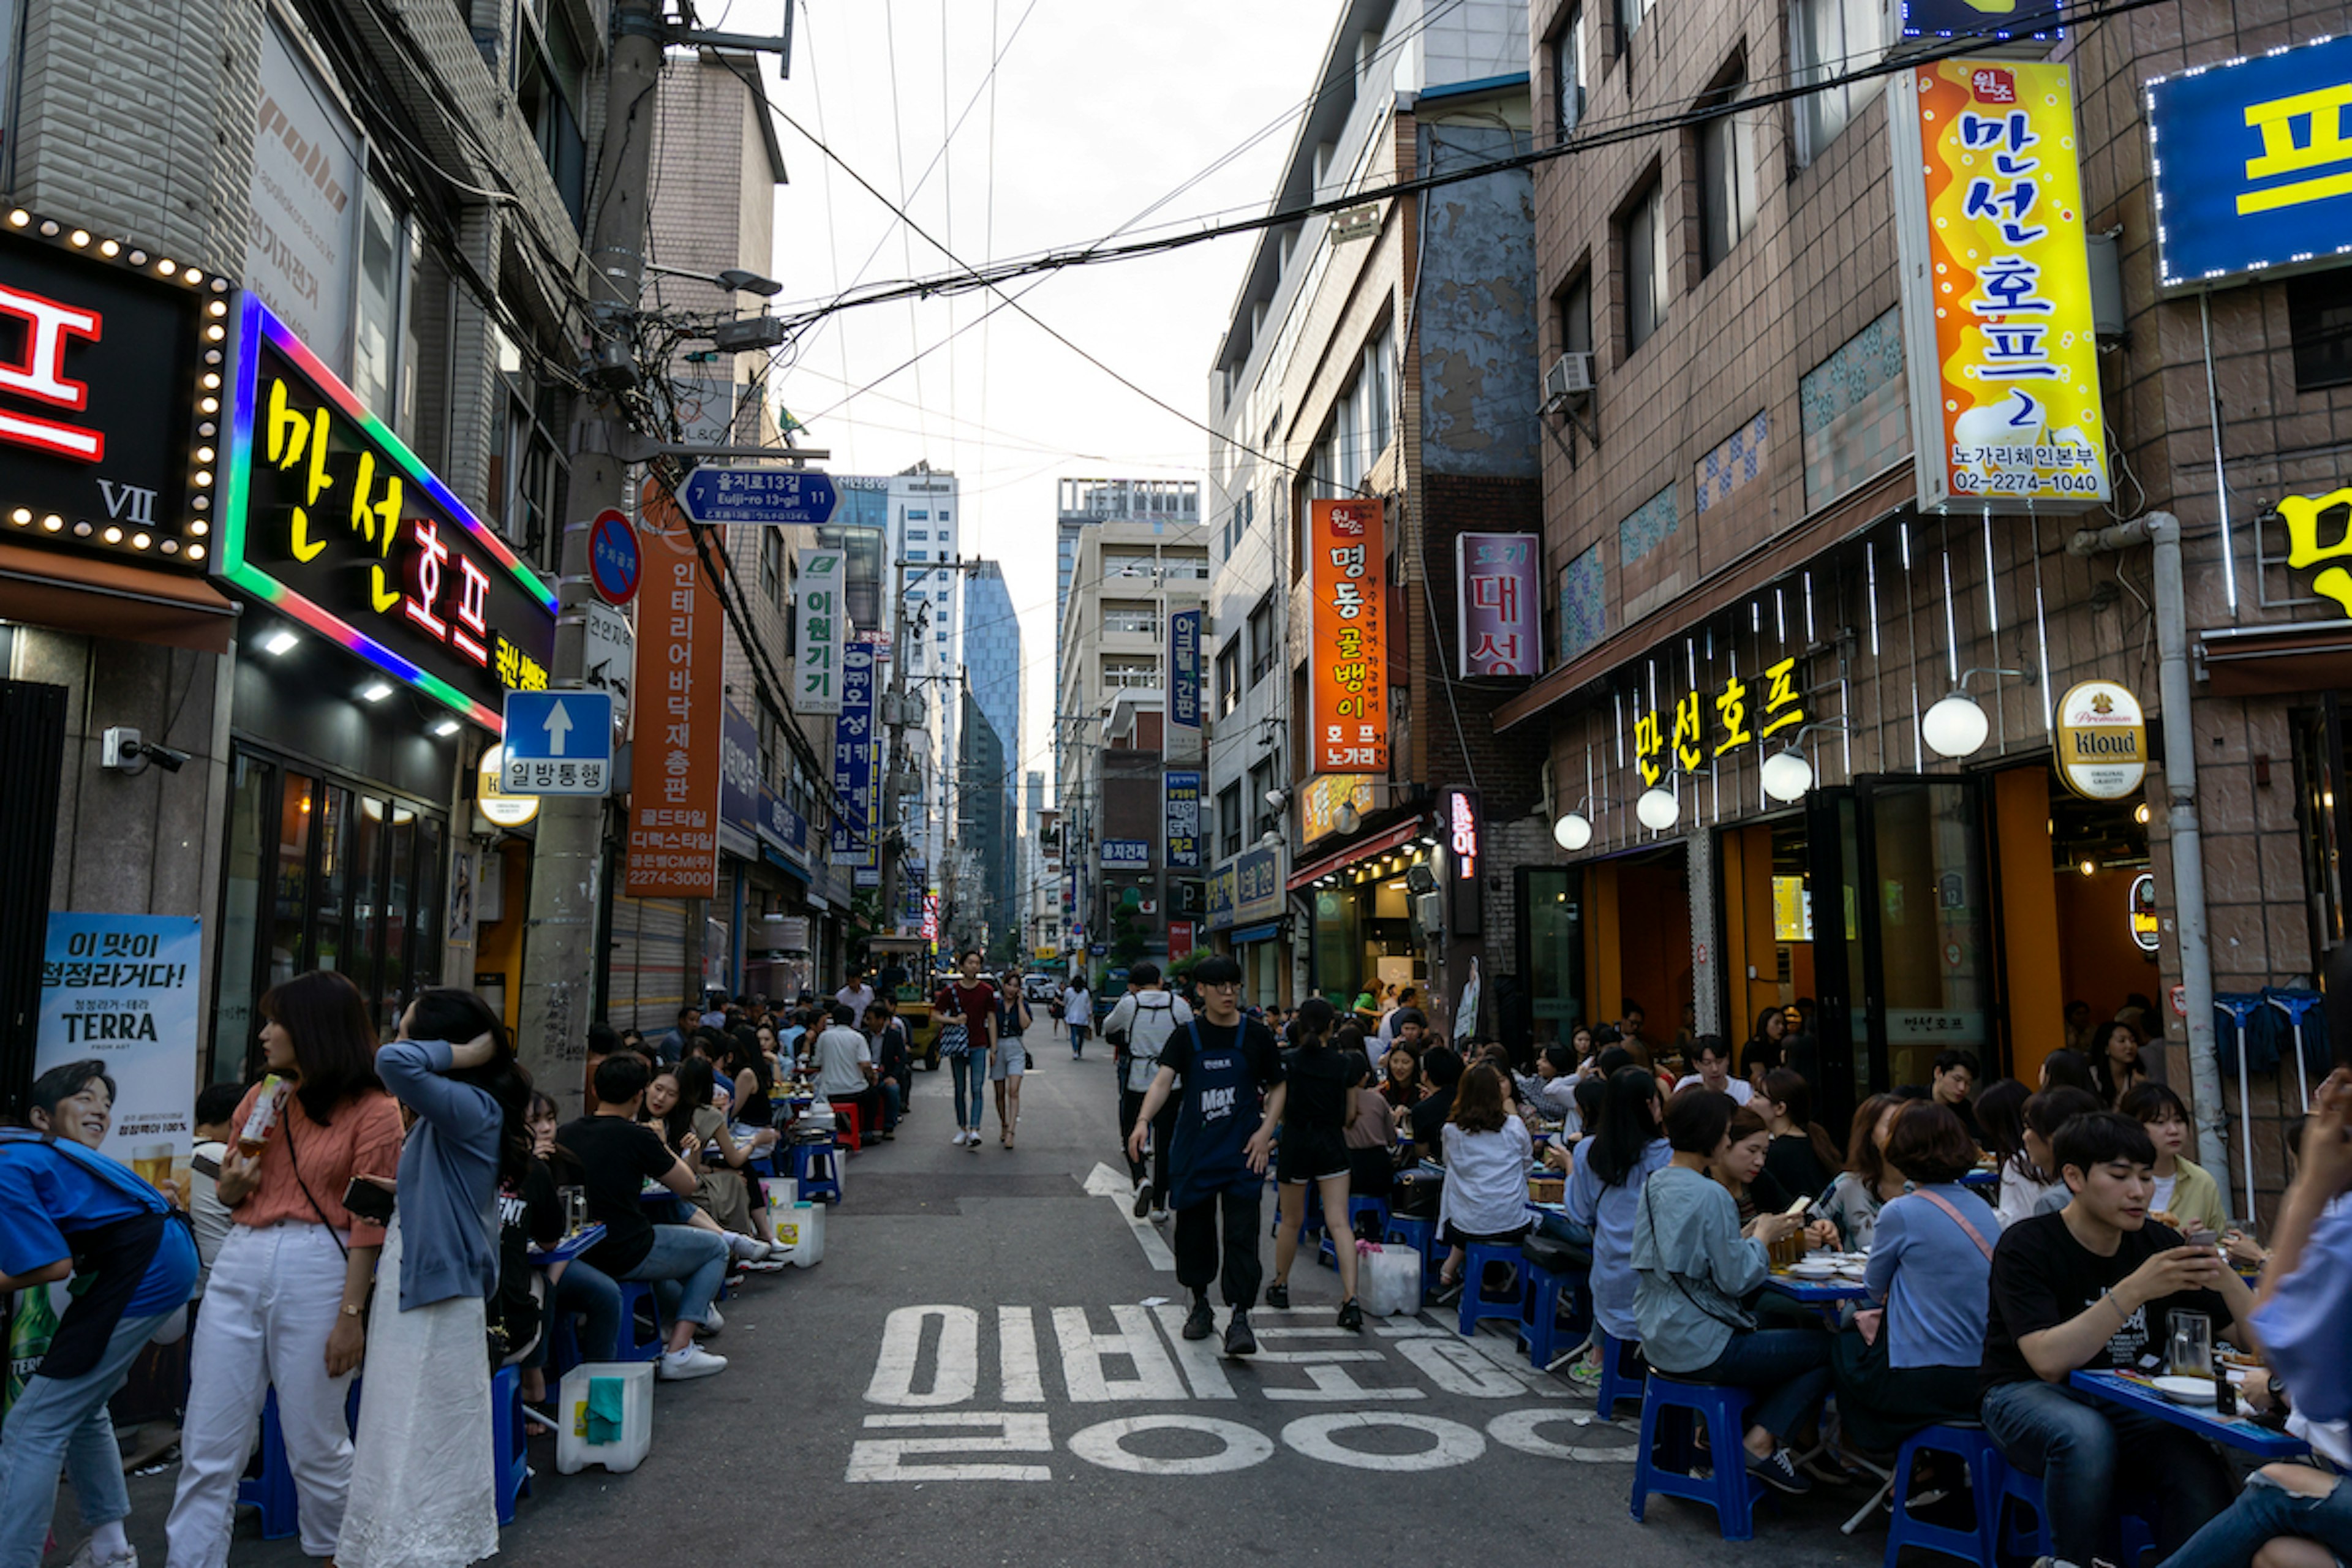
569 1247
2137 1394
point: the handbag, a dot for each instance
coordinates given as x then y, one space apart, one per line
955 1040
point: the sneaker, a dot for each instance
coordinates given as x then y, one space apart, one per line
711 1324
1278 1296
676 1366
1142 1199
1778 1470
1239 1341
87 1557
747 1248
1159 1214
960 1136
1351 1316
1585 1373
1200 1322
765 1265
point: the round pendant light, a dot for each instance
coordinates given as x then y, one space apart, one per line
1955 727
1572 832
1657 809
1787 774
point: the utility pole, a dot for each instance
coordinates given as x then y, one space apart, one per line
559 943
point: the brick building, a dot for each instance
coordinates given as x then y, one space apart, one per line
1736 560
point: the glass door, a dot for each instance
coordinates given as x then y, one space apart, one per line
1842 1043
1925 936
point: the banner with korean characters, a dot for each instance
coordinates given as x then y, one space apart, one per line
817 633
1703 724
1996 286
674 763
124 991
1183 825
1498 615
1346 560
856 760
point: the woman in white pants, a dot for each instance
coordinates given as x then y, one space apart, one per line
284 1307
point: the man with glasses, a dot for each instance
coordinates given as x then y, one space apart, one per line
1226 1111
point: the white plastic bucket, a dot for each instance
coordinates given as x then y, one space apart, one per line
573 1451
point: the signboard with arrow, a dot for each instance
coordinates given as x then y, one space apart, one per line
559 742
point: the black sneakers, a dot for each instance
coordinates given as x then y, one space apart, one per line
1278 1296
1778 1470
1142 1199
1239 1341
1202 1322
1351 1316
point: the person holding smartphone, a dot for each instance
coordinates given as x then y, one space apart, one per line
285 1305
414 1497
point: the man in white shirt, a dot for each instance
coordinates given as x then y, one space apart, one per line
845 1065
857 995
1138 1027
1715 1071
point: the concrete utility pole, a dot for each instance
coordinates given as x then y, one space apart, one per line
559 943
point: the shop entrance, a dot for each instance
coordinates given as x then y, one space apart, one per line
323 872
1637 940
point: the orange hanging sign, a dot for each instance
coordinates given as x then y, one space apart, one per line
673 769
1347 556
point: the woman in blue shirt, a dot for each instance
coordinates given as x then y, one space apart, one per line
68 1212
1915 1365
421 1481
1604 1184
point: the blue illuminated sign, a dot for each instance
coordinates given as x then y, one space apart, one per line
2253 170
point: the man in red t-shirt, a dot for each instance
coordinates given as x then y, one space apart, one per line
972 1000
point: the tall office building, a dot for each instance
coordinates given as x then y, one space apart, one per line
992 665
1163 504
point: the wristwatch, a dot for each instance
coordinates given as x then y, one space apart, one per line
351 1311
2277 1390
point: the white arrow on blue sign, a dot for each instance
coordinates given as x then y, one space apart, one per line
559 742
772 496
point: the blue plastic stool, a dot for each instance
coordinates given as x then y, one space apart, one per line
808 1159
2033 1540
1414 1231
632 1347
1617 1385
1552 1278
1728 1490
509 1457
272 1491
1356 1209
1476 1305
1974 1448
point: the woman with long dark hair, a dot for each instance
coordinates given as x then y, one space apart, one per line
284 1305
724 1190
1802 1155
1487 1151
1868 1183
2115 1065
1605 1188
420 1492
1313 1151
1761 1054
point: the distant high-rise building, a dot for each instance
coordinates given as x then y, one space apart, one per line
1163 504
991 665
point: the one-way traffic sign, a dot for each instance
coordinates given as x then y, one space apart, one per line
771 496
559 742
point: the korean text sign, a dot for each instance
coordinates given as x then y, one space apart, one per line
1183 829
122 990
674 763
1702 725
1997 288
817 633
333 521
1346 554
2253 170
856 757
1497 613
1184 670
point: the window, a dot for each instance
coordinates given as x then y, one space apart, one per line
1229 677
1830 38
2319 318
943 518
1576 316
918 517
1125 564
1641 233
525 471
923 534
771 565
1567 72
1630 14
382 303
1229 820
551 73
1126 671
1134 617
1727 180
1261 783
1261 639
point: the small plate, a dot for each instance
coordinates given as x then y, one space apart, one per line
1811 1271
2186 1390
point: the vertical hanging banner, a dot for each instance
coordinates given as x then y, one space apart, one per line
1184 671
1996 281
122 991
1495 607
674 766
856 773
1183 825
817 633
1347 555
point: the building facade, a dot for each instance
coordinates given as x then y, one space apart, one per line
1809 718
991 665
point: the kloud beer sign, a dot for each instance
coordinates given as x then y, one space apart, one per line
328 517
1347 559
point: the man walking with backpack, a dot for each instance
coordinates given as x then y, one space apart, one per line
1138 1028
1226 1113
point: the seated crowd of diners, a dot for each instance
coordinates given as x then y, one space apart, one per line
2013 1237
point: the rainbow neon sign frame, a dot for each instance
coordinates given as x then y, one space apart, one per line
256 326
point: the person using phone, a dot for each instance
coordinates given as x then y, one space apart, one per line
1693 1263
429 1392
2095 1285
284 1307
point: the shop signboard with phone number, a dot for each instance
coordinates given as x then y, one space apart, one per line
333 521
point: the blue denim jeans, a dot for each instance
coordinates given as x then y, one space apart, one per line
595 1298
1787 1368
2267 1509
61 1423
2173 1479
1560 1227
891 1107
686 1268
970 1073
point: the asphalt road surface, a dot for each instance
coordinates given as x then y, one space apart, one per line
977 1373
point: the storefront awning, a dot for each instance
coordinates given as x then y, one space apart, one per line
1363 849
2277 660
776 857
1265 933
113 598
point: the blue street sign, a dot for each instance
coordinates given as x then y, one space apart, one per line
773 496
558 743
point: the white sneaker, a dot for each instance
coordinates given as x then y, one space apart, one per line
960 1136
746 1249
711 1324
87 1557
676 1366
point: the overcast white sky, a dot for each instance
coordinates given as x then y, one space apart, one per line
1101 108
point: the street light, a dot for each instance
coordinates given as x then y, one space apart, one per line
734 279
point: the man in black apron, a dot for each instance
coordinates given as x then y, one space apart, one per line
68 1210
1226 1113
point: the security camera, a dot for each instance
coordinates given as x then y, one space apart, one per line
121 750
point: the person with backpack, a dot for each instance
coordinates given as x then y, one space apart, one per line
1009 1060
1138 1028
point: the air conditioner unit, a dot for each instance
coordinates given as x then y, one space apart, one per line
1569 375
1429 913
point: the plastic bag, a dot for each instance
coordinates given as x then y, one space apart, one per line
1387 1279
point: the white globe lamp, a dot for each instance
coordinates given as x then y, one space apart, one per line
1955 727
1787 774
1572 832
1657 809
